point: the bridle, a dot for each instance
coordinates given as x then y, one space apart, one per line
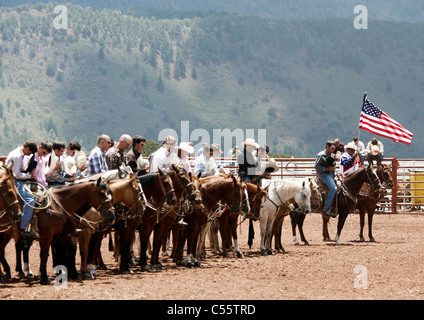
7 205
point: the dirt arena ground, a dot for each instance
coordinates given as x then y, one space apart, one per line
390 268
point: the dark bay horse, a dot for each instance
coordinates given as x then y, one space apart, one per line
346 201
159 190
10 212
60 219
367 200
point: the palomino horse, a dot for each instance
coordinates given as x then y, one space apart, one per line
278 193
346 200
367 202
60 219
158 189
10 212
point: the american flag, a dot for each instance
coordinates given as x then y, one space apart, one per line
380 123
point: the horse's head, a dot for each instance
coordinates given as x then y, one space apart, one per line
169 192
102 200
372 178
245 201
129 192
384 173
316 197
196 194
303 198
8 195
257 199
237 194
185 181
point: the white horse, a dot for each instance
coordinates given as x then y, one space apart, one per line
279 191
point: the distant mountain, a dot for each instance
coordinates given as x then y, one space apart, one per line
405 10
115 73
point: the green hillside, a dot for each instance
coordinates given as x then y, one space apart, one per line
301 80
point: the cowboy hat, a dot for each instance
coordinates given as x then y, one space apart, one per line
351 145
186 147
216 147
250 142
52 158
271 167
79 162
70 167
142 163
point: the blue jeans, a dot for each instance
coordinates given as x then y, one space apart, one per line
27 210
328 179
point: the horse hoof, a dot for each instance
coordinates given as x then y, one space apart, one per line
196 264
338 243
45 282
372 239
189 265
306 243
270 252
86 276
362 239
240 254
127 271
147 268
264 253
157 266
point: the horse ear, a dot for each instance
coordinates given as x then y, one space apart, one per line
303 184
98 182
199 175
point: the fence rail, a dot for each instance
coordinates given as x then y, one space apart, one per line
407 194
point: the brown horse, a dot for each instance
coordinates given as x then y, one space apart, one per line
159 189
346 200
10 212
60 219
218 195
228 222
127 193
367 201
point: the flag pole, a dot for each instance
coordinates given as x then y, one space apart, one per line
359 129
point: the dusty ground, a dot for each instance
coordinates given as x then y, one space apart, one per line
392 268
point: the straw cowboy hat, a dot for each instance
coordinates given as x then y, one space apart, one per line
351 145
250 142
271 167
53 159
80 159
186 147
70 167
216 147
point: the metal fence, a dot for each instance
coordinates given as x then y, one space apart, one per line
407 194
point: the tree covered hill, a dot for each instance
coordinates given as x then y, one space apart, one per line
110 72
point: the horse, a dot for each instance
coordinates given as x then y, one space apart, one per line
278 193
128 194
228 222
10 212
219 195
347 198
297 217
159 189
60 220
187 195
367 202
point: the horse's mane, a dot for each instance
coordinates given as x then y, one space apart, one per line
147 179
106 176
215 186
292 186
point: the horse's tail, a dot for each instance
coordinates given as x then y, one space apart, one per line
251 234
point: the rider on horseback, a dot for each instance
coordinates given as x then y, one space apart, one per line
325 166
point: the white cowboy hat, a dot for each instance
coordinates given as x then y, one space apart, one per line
186 147
79 162
271 167
351 145
53 162
250 142
70 167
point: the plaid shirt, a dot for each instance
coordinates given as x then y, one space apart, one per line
114 158
96 162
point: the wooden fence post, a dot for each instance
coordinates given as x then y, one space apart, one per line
395 165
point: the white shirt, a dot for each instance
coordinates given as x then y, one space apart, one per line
17 156
159 159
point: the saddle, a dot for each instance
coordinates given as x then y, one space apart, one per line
340 188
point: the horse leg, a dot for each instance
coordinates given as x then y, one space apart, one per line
325 220
268 235
19 247
4 240
84 240
361 223
233 232
294 215
370 216
263 225
71 244
340 224
45 242
300 226
26 268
